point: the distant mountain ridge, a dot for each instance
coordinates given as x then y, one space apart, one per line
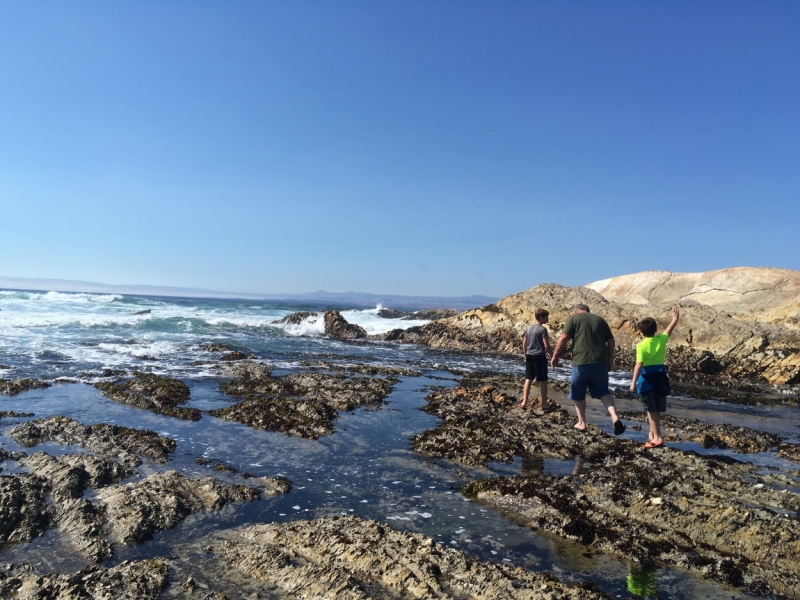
362 299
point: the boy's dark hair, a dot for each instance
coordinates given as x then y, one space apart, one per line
541 314
648 327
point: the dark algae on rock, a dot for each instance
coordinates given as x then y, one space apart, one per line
161 395
12 387
724 519
301 404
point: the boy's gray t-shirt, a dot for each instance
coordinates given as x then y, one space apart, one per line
534 336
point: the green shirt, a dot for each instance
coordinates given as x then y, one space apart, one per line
590 335
652 351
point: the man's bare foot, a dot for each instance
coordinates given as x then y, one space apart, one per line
580 426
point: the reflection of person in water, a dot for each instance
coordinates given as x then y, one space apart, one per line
533 465
642 583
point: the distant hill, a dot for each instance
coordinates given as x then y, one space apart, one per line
362 299
749 293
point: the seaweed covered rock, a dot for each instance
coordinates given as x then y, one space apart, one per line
161 395
337 327
12 387
112 441
159 502
356 559
666 508
130 580
483 424
711 435
308 420
300 404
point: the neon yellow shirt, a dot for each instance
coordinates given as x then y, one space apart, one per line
652 351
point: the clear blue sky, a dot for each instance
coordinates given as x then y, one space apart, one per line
396 147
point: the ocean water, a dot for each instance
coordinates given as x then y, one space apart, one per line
364 468
54 334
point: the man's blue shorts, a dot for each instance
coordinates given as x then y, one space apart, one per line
594 376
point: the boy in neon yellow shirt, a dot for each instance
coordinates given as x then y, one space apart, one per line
650 375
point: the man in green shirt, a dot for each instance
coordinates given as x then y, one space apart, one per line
593 349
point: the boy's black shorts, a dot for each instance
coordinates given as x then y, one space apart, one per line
536 367
654 403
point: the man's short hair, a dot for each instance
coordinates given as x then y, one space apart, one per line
541 314
648 327
582 307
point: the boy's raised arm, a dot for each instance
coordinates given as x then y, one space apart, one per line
675 316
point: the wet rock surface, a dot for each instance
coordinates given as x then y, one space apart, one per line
716 435
12 387
111 441
337 327
137 510
130 580
300 404
713 515
351 558
296 318
24 512
161 395
9 414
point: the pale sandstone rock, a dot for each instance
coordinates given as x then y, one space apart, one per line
750 293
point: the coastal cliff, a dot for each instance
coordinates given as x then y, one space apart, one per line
708 342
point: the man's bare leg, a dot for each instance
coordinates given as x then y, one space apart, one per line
526 389
608 402
580 409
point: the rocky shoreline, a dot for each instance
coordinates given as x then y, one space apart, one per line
720 518
709 514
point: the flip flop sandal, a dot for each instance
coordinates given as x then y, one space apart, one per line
650 445
619 427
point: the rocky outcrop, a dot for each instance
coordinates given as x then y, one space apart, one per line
111 441
346 558
295 318
12 387
430 314
130 580
748 293
710 514
24 511
337 328
136 511
161 395
707 342
300 404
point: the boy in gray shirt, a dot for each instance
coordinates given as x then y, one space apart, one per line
535 346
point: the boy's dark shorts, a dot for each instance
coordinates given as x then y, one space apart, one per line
654 403
536 367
